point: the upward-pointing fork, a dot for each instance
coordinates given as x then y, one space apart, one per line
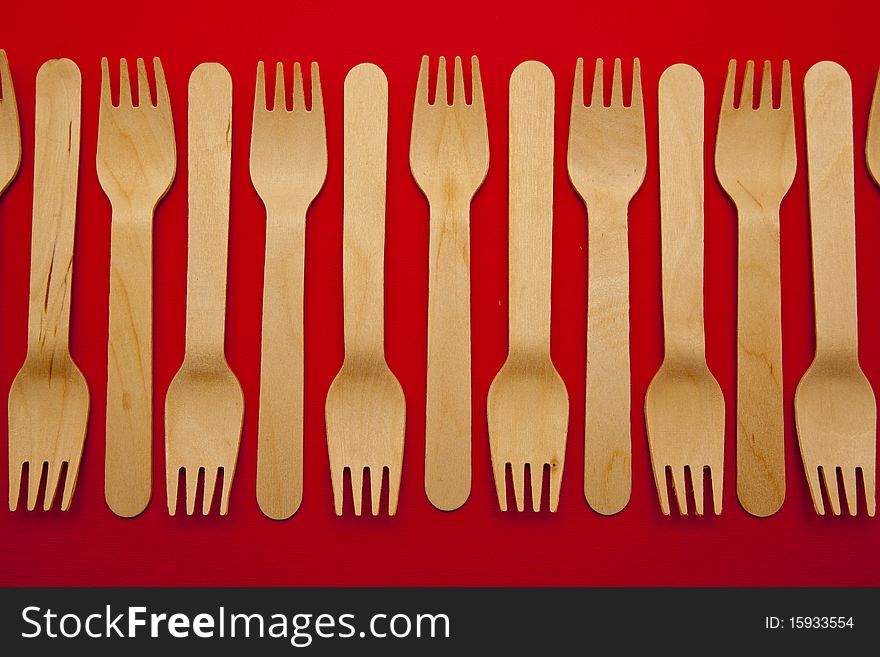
136 161
755 161
449 158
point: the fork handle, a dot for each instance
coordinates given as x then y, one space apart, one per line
530 213
829 122
56 173
607 441
363 251
448 406
280 442
128 457
209 155
760 470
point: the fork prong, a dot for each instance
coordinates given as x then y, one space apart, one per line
766 100
280 91
868 481
785 102
106 97
697 474
299 96
577 92
849 489
317 99
617 84
830 477
458 97
815 486
124 84
476 84
210 485
537 474
636 100
162 99
226 491
555 487
422 84
191 475
53 473
662 488
500 476
260 88
172 481
440 94
747 95
70 479
336 479
144 97
15 470
716 482
518 475
393 489
598 99
357 489
375 488
727 101
35 474
679 489
7 91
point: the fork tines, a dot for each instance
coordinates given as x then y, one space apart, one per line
144 95
376 476
190 478
7 91
279 101
441 91
680 477
55 470
598 96
746 96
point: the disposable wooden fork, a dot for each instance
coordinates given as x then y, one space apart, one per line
449 158
755 161
49 398
204 407
684 407
606 164
10 133
528 403
288 167
136 162
366 409
835 409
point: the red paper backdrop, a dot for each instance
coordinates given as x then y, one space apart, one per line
477 545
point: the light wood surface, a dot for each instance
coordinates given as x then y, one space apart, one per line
606 164
10 133
528 403
684 407
872 145
366 409
136 162
835 410
288 165
49 398
449 158
755 161
204 407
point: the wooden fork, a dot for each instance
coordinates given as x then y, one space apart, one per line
872 146
835 409
136 162
755 161
684 407
49 398
528 403
606 164
288 167
10 133
204 407
366 409
449 158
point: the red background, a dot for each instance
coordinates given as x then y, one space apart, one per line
477 545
